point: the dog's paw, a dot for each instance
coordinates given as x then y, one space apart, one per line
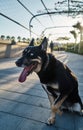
50 121
81 112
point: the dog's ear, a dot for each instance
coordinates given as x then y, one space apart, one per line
32 42
44 44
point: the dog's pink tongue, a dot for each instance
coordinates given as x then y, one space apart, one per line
23 75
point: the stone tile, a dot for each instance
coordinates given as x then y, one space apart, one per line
78 122
32 112
65 121
6 105
33 125
12 96
22 98
38 101
9 122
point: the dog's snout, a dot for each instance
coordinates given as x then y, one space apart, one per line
18 63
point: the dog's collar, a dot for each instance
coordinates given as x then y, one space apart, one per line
47 62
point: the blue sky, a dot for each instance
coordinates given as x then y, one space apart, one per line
14 10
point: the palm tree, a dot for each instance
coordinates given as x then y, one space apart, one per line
19 38
24 39
80 28
37 40
8 37
28 40
75 37
62 38
2 37
12 38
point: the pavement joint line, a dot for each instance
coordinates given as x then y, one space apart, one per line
13 114
10 113
23 93
34 87
25 103
60 57
34 83
64 60
40 88
28 82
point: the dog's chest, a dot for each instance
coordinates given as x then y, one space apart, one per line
52 88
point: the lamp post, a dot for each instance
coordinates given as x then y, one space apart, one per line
31 26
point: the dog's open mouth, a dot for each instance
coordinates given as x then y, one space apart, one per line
26 71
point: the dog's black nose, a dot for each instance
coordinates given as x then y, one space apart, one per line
18 63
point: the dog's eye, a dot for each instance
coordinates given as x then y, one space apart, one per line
31 54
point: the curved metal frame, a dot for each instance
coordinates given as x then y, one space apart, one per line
41 14
54 27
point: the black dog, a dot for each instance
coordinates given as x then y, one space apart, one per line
56 78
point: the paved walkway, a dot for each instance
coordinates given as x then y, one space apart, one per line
26 107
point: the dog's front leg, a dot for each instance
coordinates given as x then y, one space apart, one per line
55 105
51 98
58 102
51 119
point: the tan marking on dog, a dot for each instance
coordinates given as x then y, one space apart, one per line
51 99
38 68
55 109
38 60
58 104
55 86
51 119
